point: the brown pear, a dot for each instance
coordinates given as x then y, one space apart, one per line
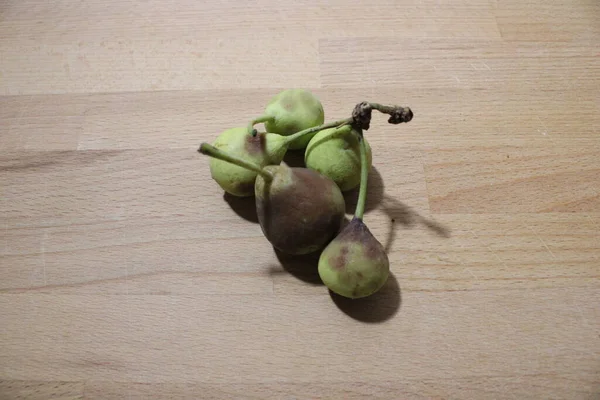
299 210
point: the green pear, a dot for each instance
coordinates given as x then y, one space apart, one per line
262 149
335 152
291 111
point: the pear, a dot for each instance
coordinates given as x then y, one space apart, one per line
291 111
355 263
261 149
299 210
335 153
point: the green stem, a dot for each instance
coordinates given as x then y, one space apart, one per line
333 124
364 173
258 120
212 151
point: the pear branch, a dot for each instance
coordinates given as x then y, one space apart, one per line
361 115
258 120
214 152
364 173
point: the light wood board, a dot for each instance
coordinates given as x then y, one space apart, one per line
126 274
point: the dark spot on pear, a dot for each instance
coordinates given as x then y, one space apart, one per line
339 262
255 144
360 275
292 127
372 249
288 100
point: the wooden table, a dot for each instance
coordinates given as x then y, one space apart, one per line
126 274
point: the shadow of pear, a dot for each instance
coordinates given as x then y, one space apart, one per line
245 207
400 213
303 267
375 193
377 308
295 158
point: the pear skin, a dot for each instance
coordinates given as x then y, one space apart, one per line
262 149
294 110
354 264
335 153
300 210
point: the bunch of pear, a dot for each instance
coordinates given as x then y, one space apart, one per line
301 210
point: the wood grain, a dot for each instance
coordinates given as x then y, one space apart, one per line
151 341
126 273
513 179
527 387
40 390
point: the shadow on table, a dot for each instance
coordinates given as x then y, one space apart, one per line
245 207
401 213
375 193
377 308
304 267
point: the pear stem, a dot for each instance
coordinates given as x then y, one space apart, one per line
212 151
333 124
398 114
258 120
361 114
364 173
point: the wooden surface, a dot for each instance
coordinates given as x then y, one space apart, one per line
125 273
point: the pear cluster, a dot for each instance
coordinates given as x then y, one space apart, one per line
301 209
